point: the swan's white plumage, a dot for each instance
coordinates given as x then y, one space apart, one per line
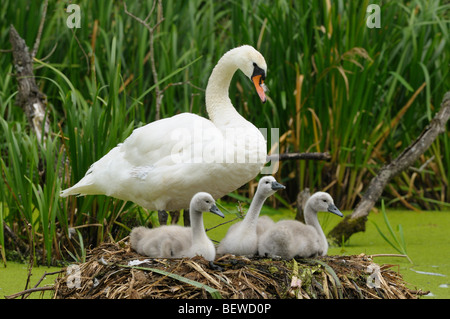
161 165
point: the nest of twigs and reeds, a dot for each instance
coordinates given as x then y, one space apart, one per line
113 271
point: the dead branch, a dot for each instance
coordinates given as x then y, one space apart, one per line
29 291
25 296
29 97
300 156
403 161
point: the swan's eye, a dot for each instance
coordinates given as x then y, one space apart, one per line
208 202
324 200
258 71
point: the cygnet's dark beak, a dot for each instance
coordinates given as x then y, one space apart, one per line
333 209
216 211
276 186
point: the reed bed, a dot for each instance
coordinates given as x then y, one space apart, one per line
336 86
106 274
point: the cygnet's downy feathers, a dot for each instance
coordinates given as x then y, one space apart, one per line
242 237
175 241
290 238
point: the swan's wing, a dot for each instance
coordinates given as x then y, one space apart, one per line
152 150
162 141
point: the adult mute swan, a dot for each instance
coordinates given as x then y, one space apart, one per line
290 238
172 241
242 237
161 165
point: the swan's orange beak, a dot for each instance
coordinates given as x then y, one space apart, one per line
260 87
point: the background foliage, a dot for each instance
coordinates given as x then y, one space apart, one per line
335 85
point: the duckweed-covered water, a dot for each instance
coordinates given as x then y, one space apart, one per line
427 243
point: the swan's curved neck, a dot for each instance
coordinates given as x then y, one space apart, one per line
311 219
251 218
218 103
197 227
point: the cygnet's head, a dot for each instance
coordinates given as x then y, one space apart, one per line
253 65
268 185
323 202
204 202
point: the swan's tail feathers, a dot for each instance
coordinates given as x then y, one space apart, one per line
85 186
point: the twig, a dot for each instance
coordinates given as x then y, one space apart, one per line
29 291
182 83
389 255
39 34
82 50
151 30
31 262
224 223
393 255
242 216
42 278
423 166
48 55
300 156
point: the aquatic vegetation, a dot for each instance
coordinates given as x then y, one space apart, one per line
397 239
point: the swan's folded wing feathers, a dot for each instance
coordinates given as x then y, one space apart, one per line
160 142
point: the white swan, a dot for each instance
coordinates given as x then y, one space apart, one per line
176 241
161 165
242 237
290 238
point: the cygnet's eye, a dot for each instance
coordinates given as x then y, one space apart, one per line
208 201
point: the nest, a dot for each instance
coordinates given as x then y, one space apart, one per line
114 271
